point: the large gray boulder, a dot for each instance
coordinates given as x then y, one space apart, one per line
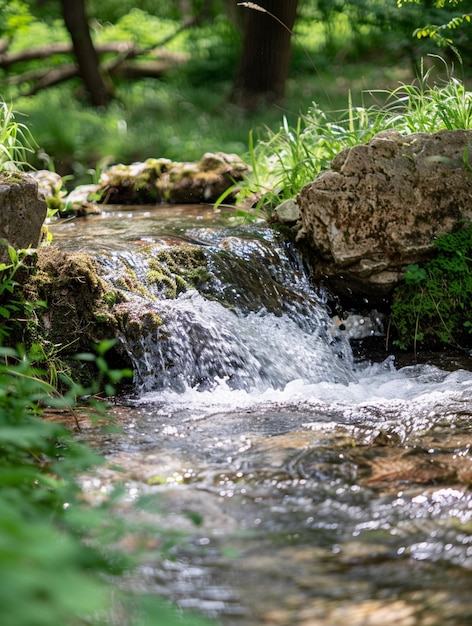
22 212
382 205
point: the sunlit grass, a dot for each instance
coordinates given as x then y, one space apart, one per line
174 119
285 160
16 141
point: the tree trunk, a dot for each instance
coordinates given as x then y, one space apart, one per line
75 20
265 58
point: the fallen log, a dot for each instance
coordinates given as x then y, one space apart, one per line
48 77
44 52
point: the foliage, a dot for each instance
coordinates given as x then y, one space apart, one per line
137 25
441 33
421 107
290 158
12 304
15 17
43 555
433 303
16 140
57 563
113 10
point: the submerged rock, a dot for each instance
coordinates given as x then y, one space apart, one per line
22 211
382 205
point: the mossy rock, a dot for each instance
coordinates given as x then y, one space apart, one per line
161 180
73 310
174 270
77 311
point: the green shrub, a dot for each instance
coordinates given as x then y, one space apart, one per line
12 304
432 306
49 574
57 563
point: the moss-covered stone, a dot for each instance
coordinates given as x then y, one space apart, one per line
173 270
128 281
161 180
136 322
132 184
76 311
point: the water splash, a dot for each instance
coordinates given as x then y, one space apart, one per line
201 342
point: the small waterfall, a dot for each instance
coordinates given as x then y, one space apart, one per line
201 342
254 321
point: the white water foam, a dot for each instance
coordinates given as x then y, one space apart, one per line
424 388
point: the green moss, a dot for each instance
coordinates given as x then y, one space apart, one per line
128 281
432 306
12 177
176 269
137 322
162 279
78 310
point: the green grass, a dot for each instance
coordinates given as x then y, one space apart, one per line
287 159
176 120
187 113
16 141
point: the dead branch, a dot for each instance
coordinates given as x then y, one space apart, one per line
54 76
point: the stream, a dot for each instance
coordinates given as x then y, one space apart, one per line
298 486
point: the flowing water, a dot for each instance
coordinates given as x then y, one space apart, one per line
307 489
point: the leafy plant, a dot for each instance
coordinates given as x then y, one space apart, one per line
433 304
42 552
425 107
15 16
441 33
57 563
11 305
292 157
